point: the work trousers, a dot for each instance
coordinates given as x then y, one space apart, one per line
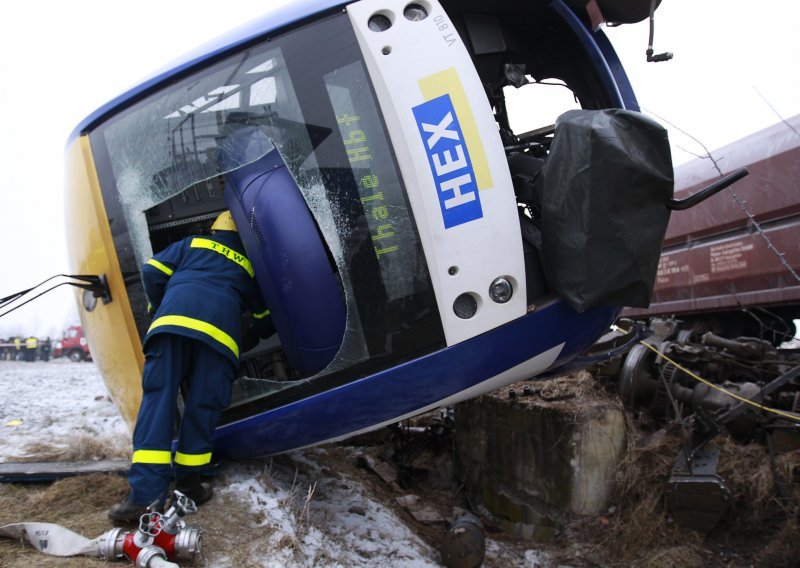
170 359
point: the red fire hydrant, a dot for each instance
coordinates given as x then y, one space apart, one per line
160 538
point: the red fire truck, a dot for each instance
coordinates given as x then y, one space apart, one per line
73 344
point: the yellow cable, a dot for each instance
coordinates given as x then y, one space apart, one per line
790 415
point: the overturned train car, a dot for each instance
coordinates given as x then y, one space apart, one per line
396 221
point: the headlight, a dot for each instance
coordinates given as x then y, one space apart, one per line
379 23
501 290
415 12
89 300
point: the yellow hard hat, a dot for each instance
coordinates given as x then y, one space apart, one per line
224 222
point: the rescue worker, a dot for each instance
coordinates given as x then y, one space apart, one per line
199 288
44 350
17 348
31 345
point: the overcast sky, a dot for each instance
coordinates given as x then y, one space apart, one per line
61 60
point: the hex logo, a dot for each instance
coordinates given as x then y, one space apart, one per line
449 160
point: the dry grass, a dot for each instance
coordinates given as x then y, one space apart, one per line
766 503
81 448
685 556
240 537
761 528
231 533
783 549
748 474
639 531
77 503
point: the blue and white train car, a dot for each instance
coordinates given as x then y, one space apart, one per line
388 199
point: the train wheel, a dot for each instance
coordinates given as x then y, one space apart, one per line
636 381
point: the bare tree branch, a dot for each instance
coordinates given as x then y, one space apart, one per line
783 120
740 202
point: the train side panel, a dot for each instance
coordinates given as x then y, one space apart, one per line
112 335
714 256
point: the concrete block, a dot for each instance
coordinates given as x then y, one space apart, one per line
548 451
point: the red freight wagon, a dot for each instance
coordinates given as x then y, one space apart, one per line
715 258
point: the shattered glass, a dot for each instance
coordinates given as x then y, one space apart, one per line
169 144
316 106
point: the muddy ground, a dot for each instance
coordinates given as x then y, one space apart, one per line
760 530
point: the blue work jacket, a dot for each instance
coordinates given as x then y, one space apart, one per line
200 287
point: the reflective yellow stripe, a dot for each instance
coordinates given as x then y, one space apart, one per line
262 315
239 259
161 266
192 459
198 325
152 456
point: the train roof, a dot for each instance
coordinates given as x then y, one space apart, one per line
772 156
272 20
770 142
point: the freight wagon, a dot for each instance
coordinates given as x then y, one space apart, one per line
731 264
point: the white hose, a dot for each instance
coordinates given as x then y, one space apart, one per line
51 539
55 540
158 562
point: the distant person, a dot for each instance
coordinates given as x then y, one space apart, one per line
31 345
44 350
5 346
17 349
199 288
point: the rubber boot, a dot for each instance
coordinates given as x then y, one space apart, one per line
126 513
195 489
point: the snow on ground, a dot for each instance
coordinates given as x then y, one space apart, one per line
316 519
303 514
55 403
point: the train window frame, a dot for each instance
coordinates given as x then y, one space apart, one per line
387 337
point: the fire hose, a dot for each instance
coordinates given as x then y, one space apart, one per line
160 538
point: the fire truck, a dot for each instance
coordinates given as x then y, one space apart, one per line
73 344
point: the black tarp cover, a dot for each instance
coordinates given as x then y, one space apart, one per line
604 214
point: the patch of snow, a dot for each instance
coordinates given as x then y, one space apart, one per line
338 524
55 403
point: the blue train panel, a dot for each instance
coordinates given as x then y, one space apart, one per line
530 345
287 252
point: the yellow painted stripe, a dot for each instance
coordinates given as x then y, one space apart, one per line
447 82
198 325
116 344
161 266
152 456
262 315
192 459
231 255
